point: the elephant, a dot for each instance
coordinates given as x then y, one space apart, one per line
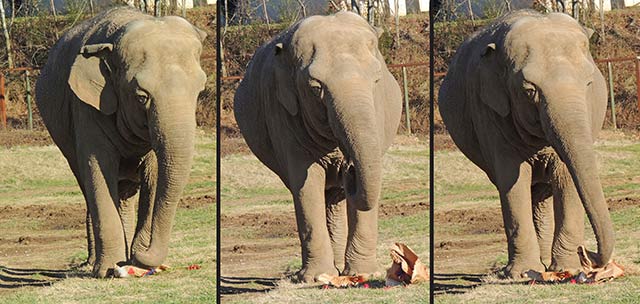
118 95
524 101
318 107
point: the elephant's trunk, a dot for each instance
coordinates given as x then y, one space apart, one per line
353 121
567 125
172 135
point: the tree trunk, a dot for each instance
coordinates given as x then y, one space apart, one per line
602 18
266 14
6 35
53 8
473 20
303 8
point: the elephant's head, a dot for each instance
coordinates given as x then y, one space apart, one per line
147 76
327 73
542 77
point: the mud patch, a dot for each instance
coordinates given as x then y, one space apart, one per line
622 203
443 142
265 225
49 217
11 138
464 244
473 221
196 202
391 210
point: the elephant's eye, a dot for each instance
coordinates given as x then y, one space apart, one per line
142 97
530 90
316 88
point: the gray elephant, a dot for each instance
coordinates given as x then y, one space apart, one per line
318 106
524 101
118 96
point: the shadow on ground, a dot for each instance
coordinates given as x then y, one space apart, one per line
238 285
457 283
22 277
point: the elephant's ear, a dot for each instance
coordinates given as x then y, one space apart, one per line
493 91
284 84
90 78
201 34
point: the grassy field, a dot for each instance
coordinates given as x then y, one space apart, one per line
470 241
260 247
42 235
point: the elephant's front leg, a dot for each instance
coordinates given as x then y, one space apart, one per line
569 222
91 242
515 197
360 257
99 172
307 187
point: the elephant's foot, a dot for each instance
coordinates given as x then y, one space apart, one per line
519 268
103 268
311 272
360 267
569 262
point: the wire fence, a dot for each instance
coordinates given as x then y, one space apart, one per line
405 90
27 72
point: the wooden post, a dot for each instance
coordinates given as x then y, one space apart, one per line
28 87
406 100
3 104
611 96
638 80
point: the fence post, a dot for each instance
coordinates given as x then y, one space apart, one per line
3 104
638 80
613 104
28 87
406 99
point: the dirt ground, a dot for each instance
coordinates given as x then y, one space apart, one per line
17 137
470 239
44 231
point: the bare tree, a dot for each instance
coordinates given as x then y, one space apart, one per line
53 8
6 35
303 8
508 5
266 14
473 20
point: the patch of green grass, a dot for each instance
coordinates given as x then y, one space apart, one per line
41 176
404 194
622 290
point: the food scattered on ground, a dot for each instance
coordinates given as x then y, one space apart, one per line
591 272
342 281
406 268
130 270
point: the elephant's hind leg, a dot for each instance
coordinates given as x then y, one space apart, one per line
308 196
149 179
543 220
337 224
127 209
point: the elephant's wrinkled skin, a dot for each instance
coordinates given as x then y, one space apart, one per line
118 96
524 100
318 106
